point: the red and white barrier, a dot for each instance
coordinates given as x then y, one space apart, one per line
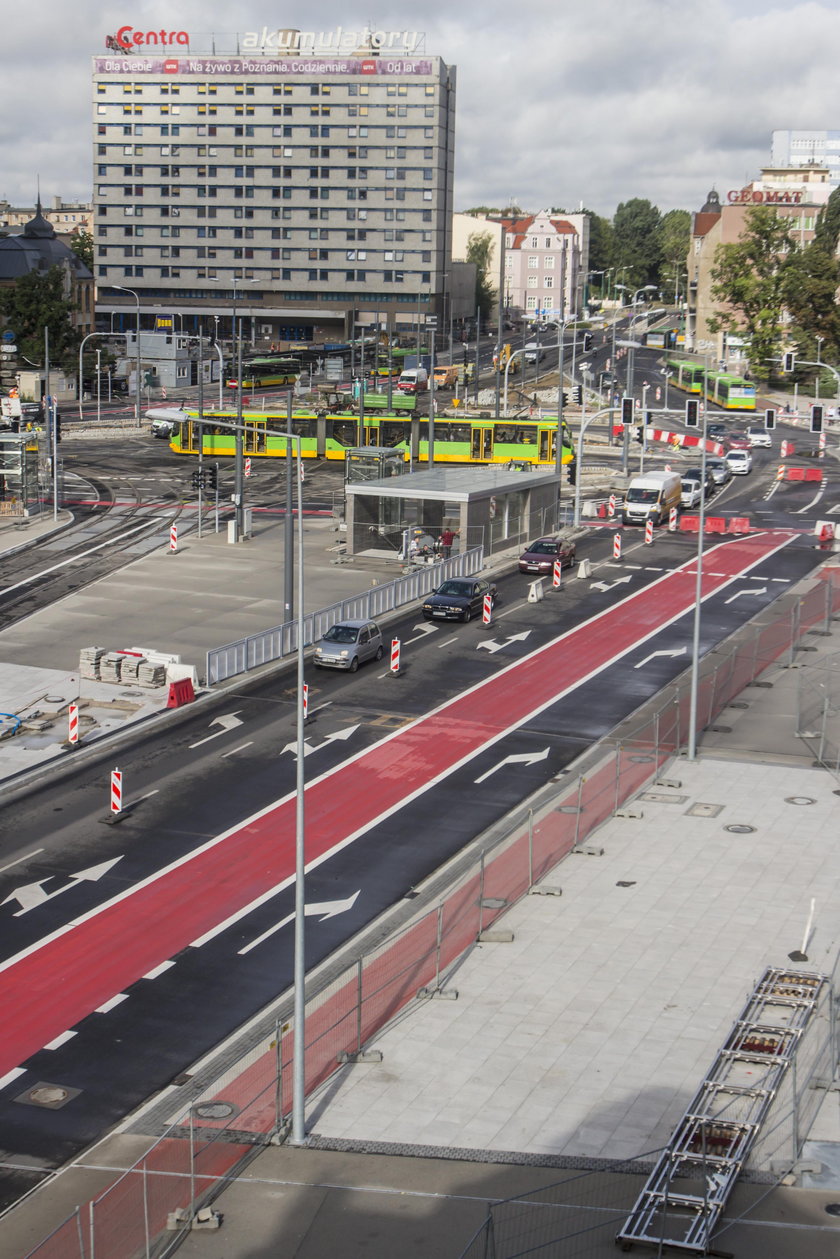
611 506
487 609
822 446
672 520
616 546
73 723
173 538
648 532
247 467
116 791
557 575
786 449
305 701
395 656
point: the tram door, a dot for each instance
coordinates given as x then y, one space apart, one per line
481 445
547 445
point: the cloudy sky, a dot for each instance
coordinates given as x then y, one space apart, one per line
558 102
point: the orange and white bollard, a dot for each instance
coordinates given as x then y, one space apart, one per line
395 657
247 467
557 575
305 701
611 506
116 791
821 454
648 532
616 546
672 520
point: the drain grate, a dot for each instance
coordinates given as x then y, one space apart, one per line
662 797
704 810
740 828
47 1096
800 800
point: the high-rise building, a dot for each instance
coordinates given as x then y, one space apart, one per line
310 192
808 148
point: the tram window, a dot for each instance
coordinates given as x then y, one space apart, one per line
344 432
424 431
527 435
391 433
505 434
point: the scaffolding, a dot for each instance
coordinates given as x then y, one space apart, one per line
686 1192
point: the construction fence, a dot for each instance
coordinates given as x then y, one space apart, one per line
154 1203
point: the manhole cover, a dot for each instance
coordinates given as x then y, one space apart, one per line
215 1110
48 1096
662 797
704 810
641 760
799 800
739 828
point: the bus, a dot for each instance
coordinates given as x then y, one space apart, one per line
263 373
732 393
686 376
466 439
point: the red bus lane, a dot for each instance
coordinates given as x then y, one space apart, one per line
61 979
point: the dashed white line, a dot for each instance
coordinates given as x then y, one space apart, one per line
18 860
60 1040
241 748
112 1004
11 1076
159 970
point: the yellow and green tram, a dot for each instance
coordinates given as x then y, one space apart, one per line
462 440
731 393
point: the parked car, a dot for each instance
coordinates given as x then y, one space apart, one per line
740 462
716 431
737 441
540 556
534 353
458 599
719 469
758 436
696 474
347 644
691 493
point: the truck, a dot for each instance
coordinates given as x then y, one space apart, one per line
446 376
651 497
414 380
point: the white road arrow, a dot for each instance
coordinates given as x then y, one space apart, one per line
678 651
343 735
520 758
327 909
762 590
608 585
492 646
229 722
33 894
424 629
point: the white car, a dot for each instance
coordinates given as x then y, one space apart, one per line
740 462
759 437
691 494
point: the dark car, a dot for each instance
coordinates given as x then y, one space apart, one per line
696 474
458 598
717 432
539 556
348 644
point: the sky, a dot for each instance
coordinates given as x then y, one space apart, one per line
559 103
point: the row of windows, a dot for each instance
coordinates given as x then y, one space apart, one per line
277 111
262 172
284 132
314 255
238 213
287 233
546 242
277 172
315 194
284 273
247 89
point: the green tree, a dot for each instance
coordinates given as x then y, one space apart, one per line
82 245
676 233
637 242
600 248
479 251
750 280
34 303
813 278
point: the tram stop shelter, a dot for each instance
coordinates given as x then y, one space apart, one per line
497 507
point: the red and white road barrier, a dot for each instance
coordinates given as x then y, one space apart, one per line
611 506
672 520
173 538
487 609
822 446
116 791
780 472
305 700
247 467
787 448
616 546
557 575
395 656
73 723
648 532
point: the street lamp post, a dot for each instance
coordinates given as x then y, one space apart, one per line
122 288
239 445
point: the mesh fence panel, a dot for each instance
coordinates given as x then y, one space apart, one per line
68 1241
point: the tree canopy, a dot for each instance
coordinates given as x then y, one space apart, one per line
637 242
35 302
479 251
812 283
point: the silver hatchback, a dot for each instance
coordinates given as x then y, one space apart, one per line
348 644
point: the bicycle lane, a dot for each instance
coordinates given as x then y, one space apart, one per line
64 977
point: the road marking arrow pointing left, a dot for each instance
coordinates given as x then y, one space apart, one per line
33 894
519 758
229 722
324 910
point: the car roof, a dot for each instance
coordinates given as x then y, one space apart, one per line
354 624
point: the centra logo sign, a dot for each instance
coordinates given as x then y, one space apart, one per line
127 38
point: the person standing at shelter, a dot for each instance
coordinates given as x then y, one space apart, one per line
447 537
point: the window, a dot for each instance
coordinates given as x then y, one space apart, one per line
533 281
535 242
533 262
548 260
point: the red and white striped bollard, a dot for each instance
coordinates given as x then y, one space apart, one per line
557 574
395 657
247 467
672 520
116 791
616 545
73 724
173 539
487 610
648 532
611 506
305 701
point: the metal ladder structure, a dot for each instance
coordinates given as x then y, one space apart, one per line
687 1190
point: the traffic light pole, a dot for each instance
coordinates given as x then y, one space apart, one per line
200 435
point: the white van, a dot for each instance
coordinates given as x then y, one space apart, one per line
651 497
415 380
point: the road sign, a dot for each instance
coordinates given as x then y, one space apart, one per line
8 335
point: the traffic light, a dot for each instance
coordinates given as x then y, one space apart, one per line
788 361
571 472
816 418
627 408
770 418
577 394
587 342
57 422
196 480
212 474
692 413
565 398
640 433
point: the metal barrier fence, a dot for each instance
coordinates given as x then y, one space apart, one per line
818 710
273 644
250 1104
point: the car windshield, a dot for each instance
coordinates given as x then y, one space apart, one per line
636 495
454 588
341 634
543 548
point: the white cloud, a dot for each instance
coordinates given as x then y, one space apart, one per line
557 103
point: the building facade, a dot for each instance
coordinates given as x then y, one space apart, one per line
808 148
312 193
67 217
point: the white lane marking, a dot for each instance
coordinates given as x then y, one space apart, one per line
74 559
11 1076
229 721
448 642
328 909
187 858
18 860
112 1004
158 970
518 758
241 748
677 651
147 796
800 511
60 1040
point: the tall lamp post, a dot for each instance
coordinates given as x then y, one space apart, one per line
122 288
239 445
